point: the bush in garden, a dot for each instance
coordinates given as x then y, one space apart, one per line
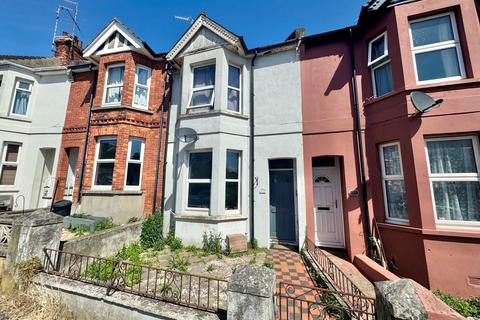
159 245
173 242
466 307
152 230
212 243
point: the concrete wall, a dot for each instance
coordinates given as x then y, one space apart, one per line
104 243
39 131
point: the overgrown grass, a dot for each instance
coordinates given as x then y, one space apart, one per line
466 307
80 230
179 263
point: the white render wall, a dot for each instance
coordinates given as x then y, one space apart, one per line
41 129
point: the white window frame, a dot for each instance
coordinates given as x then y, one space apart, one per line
455 43
17 88
142 152
234 180
193 90
379 62
385 178
112 86
197 181
10 163
142 86
116 42
97 161
239 89
454 177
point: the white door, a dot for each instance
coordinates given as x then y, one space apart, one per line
328 207
72 165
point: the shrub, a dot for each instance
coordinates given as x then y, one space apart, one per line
159 245
178 263
212 243
176 244
104 225
100 269
152 230
466 307
268 263
131 252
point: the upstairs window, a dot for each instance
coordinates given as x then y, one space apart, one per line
105 161
379 63
436 49
233 102
199 179
203 91
23 90
142 86
114 84
9 164
133 176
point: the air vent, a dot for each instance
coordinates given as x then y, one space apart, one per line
474 280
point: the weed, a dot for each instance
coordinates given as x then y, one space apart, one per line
212 243
253 260
466 307
81 216
210 268
133 220
80 230
173 242
152 230
253 244
28 269
131 252
100 269
159 245
268 263
104 225
192 249
177 262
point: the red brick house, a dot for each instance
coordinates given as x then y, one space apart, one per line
116 112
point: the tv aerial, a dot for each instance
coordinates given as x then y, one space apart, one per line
189 19
186 135
423 102
66 15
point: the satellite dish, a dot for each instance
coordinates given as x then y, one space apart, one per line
423 102
186 135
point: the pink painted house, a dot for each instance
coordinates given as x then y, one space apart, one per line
421 171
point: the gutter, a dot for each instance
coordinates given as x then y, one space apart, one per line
252 148
366 213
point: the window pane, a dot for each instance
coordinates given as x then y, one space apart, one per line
24 85
391 160
457 200
115 75
232 165
140 96
231 196
104 174
377 48
107 149
12 153
114 95
233 100
437 64
136 149
234 77
133 174
202 97
432 31
204 76
451 156
199 195
142 76
280 164
383 79
21 102
200 165
8 175
396 199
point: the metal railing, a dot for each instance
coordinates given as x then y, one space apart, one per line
302 302
335 275
195 291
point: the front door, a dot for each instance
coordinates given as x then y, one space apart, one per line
328 207
282 204
70 182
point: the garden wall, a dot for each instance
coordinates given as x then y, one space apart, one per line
104 243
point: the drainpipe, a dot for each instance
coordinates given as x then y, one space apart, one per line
159 146
87 135
366 213
252 149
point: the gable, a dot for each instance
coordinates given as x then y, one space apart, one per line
115 41
203 39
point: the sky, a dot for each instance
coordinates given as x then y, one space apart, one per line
26 26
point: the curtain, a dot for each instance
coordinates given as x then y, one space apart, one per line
204 76
21 102
115 76
383 79
140 96
432 31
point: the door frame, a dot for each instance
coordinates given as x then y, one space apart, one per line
340 212
295 200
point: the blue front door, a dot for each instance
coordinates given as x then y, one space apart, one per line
282 205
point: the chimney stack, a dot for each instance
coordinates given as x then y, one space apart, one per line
68 48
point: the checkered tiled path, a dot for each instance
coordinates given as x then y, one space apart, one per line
289 267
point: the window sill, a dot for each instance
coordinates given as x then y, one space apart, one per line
222 218
119 107
8 189
440 232
112 192
213 113
443 84
16 118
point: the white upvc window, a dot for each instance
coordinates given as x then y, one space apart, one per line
104 162
199 180
436 49
23 91
453 164
234 91
380 65
133 175
232 181
9 163
394 194
142 87
114 84
203 88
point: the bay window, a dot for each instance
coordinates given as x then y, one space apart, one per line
114 84
380 65
142 86
23 90
436 48
104 161
203 90
232 181
393 183
199 179
135 154
233 101
455 180
9 164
